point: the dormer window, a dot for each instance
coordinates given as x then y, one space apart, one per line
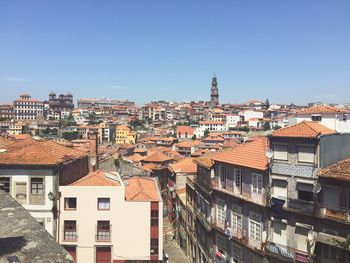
316 117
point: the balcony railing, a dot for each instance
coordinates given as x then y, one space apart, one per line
280 251
335 213
70 235
305 207
103 235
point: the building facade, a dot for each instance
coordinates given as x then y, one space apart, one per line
26 108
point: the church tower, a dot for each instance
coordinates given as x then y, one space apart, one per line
214 95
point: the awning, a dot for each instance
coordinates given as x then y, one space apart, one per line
305 187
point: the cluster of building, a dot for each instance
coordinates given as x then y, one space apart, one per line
280 198
252 182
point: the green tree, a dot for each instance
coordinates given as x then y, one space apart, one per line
206 133
70 135
194 137
267 126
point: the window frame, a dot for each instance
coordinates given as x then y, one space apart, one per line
66 207
306 147
274 150
256 179
98 204
238 174
72 229
253 225
154 246
36 188
221 243
238 220
220 213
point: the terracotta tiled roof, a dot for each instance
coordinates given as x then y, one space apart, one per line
96 178
136 157
184 129
187 144
230 143
201 152
186 165
141 189
157 157
338 171
149 167
5 142
252 155
321 109
37 152
206 160
305 129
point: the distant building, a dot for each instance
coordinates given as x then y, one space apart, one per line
6 112
214 95
103 102
123 221
124 135
26 108
333 118
61 105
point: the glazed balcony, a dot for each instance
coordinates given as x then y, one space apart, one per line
301 206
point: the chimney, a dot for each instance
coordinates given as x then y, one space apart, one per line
93 157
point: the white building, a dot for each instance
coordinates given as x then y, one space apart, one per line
250 114
211 126
104 218
331 117
31 170
26 108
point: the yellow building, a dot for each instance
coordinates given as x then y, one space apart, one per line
124 134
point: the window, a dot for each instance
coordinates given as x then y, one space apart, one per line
70 203
280 152
36 185
305 192
5 183
345 116
154 246
238 178
221 243
279 188
221 215
306 154
316 117
223 176
237 252
103 203
70 230
21 192
103 231
236 222
255 230
154 217
257 183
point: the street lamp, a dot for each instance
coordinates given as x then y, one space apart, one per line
51 196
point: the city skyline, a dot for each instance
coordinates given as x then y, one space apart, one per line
164 51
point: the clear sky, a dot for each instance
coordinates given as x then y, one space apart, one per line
287 50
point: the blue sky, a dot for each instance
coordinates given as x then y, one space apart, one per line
289 51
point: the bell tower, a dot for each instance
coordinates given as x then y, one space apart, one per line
214 94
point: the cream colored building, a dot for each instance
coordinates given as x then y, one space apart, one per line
106 219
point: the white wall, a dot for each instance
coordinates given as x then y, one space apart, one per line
130 231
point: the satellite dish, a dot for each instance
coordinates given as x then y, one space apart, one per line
93 160
318 188
310 236
269 153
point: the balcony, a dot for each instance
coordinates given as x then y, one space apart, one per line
301 206
280 251
103 234
70 235
206 222
334 213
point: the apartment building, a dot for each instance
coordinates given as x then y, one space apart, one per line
6 112
26 108
124 134
334 118
239 215
31 171
299 152
122 223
